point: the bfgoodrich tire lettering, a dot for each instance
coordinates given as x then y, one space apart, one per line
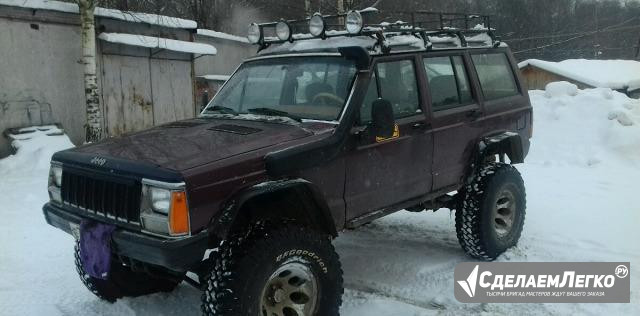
242 268
491 215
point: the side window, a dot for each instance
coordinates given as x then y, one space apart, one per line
495 75
372 95
448 82
396 82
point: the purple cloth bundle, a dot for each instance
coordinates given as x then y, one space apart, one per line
95 248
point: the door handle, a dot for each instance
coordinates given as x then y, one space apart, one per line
475 114
419 125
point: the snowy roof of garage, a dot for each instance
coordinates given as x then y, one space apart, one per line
135 17
159 43
215 77
221 35
613 74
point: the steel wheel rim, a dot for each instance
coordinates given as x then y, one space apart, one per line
504 212
292 290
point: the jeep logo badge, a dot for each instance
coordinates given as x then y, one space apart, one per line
98 161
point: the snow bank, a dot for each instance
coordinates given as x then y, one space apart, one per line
613 74
158 42
560 89
34 149
586 126
137 17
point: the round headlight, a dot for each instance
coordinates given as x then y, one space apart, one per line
254 35
354 22
283 31
316 25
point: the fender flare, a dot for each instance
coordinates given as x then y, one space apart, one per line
508 143
223 224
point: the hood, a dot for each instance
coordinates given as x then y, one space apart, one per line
186 144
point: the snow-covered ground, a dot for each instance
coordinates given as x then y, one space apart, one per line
582 193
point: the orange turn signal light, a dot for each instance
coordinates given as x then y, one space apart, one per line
179 215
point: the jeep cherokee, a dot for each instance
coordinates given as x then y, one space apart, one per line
318 133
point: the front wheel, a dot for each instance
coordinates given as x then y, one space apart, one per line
291 271
491 215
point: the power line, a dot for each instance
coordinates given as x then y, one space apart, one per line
571 34
607 29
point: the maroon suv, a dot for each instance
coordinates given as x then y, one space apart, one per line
316 134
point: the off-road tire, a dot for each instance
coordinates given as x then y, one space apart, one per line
123 282
475 216
241 268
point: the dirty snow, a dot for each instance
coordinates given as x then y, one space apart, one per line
581 179
613 74
128 16
158 42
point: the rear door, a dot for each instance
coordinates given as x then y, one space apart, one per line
382 173
454 108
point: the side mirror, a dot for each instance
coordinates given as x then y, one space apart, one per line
382 121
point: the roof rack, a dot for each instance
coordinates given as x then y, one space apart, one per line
433 30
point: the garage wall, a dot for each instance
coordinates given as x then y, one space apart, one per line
139 92
40 76
230 55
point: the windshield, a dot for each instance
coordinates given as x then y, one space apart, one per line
297 87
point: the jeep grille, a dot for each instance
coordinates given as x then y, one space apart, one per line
116 199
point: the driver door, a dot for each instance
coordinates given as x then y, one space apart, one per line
383 173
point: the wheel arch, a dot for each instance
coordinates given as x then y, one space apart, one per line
295 200
508 143
501 143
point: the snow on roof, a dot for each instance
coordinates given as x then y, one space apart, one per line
158 42
215 77
320 44
220 35
613 74
135 17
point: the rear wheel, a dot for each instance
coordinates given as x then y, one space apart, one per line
122 281
491 215
290 271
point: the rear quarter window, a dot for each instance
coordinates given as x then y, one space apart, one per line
496 76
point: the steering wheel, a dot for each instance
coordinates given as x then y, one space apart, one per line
325 98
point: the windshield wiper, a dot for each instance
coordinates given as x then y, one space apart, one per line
222 109
274 112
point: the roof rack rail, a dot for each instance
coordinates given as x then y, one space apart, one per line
448 29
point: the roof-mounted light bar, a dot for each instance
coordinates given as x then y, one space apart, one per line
283 31
436 24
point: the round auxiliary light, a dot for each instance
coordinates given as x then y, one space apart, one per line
283 31
353 22
316 25
254 35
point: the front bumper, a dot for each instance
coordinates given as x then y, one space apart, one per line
174 254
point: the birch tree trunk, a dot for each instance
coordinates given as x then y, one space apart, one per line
93 127
307 8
